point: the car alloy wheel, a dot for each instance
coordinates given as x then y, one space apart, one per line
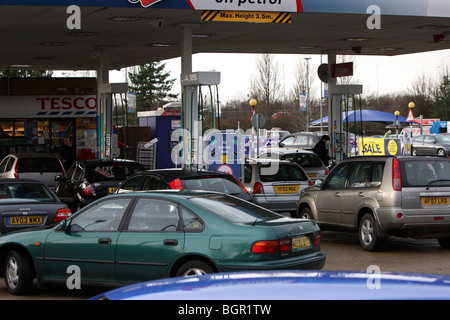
18 273
194 268
12 273
368 233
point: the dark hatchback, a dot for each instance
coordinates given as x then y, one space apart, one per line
178 178
89 180
26 203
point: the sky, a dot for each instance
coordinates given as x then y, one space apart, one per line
379 75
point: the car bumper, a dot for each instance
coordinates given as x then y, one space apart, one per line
278 206
415 223
310 261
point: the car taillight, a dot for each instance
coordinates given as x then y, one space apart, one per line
62 214
176 184
317 238
271 246
310 183
258 188
87 189
327 171
16 170
396 175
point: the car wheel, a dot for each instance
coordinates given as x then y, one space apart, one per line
18 274
441 153
444 242
306 214
368 234
194 268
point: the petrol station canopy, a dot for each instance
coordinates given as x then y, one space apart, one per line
35 35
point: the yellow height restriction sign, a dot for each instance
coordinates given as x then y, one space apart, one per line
245 16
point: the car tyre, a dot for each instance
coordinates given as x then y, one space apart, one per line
194 268
441 153
444 242
368 233
18 273
306 213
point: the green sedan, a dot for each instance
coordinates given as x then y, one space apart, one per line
134 237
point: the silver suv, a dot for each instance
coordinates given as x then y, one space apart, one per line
383 196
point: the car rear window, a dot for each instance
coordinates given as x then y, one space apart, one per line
112 171
219 184
233 209
285 172
39 165
420 172
23 192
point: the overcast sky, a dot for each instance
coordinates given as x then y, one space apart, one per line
377 74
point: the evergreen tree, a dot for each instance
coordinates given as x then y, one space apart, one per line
152 86
441 103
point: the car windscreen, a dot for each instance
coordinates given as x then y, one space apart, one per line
306 160
213 183
285 172
112 171
14 192
39 165
419 173
233 209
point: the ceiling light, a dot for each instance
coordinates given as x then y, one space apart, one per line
53 44
125 18
390 49
20 66
202 35
356 39
305 46
161 45
81 33
432 27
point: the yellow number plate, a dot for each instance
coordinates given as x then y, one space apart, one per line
427 201
312 175
111 189
24 220
287 189
300 242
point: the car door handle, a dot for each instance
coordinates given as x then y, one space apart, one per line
170 242
104 241
338 194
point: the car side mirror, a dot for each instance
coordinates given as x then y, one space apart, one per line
60 178
319 183
65 225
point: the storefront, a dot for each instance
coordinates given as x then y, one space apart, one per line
49 115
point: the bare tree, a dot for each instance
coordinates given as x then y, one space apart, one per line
266 86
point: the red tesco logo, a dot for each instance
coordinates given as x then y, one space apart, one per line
68 103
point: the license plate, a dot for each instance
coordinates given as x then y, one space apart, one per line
24 220
300 242
312 175
429 201
287 189
111 189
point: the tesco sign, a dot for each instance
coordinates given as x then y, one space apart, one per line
48 106
67 103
